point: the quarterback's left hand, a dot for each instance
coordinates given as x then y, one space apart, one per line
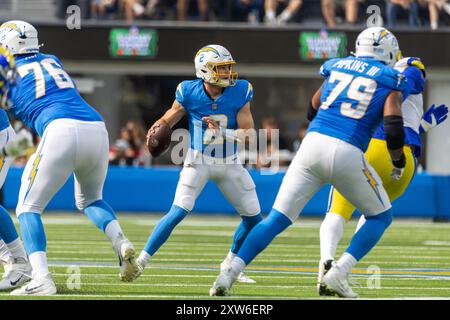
433 117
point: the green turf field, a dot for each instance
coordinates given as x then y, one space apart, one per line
413 260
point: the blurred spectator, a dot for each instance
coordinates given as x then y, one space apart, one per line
270 6
106 8
182 9
434 7
250 10
103 9
301 135
123 152
329 10
394 7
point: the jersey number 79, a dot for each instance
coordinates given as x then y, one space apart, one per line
361 96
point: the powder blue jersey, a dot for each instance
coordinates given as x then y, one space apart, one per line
353 97
4 121
193 97
45 92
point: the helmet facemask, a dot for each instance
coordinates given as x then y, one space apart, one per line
219 76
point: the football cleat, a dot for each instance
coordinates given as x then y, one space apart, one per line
337 281
242 277
221 287
322 289
140 269
38 286
127 262
17 273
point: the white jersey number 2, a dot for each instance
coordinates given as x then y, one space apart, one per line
53 68
354 92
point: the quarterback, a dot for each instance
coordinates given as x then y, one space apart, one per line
416 122
74 140
358 93
218 110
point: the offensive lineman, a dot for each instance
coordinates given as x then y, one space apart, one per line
415 122
218 109
74 140
359 92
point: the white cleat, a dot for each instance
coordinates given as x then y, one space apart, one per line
140 269
38 286
221 287
242 277
17 273
324 267
337 281
127 262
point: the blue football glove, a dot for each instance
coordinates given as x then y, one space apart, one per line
433 117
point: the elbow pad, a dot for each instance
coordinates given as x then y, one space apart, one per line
395 134
311 112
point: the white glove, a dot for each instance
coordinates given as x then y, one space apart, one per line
19 144
399 167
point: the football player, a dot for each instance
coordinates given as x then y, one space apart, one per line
12 254
358 93
415 122
218 110
74 140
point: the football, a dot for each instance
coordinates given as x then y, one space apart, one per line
158 138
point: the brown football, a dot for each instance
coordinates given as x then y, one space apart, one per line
158 138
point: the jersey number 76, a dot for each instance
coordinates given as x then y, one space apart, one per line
361 96
53 68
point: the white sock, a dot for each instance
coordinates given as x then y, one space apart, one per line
38 261
230 256
434 25
447 8
270 15
284 16
113 230
361 221
4 252
346 262
17 250
331 232
143 258
237 265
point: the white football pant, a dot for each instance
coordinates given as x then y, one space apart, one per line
67 146
323 159
232 179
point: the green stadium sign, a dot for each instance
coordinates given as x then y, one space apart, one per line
133 42
322 45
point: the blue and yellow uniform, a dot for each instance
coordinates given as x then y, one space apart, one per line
377 153
37 98
197 103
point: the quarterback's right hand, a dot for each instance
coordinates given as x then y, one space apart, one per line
19 144
399 167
